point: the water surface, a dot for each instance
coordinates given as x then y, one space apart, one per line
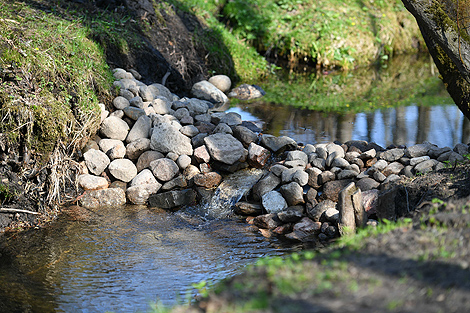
122 259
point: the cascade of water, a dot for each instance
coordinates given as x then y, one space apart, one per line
229 192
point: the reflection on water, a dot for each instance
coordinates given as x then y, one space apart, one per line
443 125
122 259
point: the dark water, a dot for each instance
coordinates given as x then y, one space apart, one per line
122 259
443 125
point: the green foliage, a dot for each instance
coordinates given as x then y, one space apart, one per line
6 194
362 90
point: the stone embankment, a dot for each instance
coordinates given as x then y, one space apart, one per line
164 151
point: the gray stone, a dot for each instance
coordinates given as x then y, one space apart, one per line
435 152
291 214
351 211
177 182
164 169
198 140
297 155
277 169
223 128
425 167
331 215
393 168
309 149
378 166
122 169
137 102
273 202
231 119
295 163
145 177
204 118
114 128
166 138
126 94
293 193
321 152
300 177
378 176
103 198
265 185
347 174
146 93
172 199
113 148
197 106
133 113
392 155
317 211
245 135
183 161
137 147
417 150
120 103
367 183
206 91
222 82
146 157
319 163
224 148
339 162
140 194
337 149
313 176
278 144
92 182
141 129
160 90
189 130
96 161
415 161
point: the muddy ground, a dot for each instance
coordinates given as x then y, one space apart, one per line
421 266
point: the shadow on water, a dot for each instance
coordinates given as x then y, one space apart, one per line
121 259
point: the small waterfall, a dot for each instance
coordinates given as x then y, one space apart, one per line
230 191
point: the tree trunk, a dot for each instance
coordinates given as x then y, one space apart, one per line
444 25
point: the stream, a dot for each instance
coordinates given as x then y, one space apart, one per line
124 259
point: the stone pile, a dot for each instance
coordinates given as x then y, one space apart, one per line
161 150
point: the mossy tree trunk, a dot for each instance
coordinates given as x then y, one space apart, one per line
445 25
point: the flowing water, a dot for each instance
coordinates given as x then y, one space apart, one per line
122 259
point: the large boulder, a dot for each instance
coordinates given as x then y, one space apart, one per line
122 169
96 161
278 144
206 91
111 197
166 138
224 148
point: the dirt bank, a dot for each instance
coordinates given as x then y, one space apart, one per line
420 264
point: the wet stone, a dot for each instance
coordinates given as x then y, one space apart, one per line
291 214
247 208
267 221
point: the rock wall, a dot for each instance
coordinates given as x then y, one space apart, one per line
164 151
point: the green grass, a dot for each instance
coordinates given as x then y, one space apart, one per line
329 33
54 72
